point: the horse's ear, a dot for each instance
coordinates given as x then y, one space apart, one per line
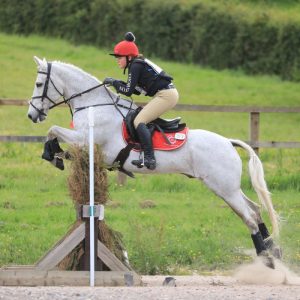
44 61
37 60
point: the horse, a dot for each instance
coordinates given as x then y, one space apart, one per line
206 156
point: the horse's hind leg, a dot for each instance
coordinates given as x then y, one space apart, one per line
249 215
274 249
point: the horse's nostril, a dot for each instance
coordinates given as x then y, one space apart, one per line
30 116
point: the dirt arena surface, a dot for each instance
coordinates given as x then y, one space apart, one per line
254 281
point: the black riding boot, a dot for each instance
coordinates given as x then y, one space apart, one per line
146 143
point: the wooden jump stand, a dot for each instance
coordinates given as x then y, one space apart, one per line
45 272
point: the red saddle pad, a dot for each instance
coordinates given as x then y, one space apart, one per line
176 139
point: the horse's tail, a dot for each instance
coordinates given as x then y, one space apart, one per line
256 172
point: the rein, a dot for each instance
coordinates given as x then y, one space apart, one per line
67 101
115 103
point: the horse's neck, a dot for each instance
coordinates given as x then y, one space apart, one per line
76 81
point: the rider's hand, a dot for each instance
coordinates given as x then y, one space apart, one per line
109 80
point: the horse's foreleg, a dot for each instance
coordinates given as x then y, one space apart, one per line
52 150
68 136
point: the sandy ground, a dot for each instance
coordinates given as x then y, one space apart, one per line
253 281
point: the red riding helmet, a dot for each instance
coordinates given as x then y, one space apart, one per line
126 47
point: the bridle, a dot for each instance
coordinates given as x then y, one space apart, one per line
45 90
67 101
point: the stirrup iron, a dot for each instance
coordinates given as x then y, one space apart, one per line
140 163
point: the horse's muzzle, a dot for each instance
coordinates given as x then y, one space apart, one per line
37 119
31 118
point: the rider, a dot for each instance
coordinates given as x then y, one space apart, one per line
144 77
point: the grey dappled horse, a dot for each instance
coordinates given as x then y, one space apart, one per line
206 156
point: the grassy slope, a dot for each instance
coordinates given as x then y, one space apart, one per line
196 85
189 225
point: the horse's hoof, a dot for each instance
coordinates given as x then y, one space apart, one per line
59 163
277 252
267 259
273 249
269 262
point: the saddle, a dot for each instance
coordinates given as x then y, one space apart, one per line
166 134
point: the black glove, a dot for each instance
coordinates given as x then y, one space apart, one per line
109 80
136 92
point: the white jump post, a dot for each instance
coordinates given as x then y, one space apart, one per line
91 169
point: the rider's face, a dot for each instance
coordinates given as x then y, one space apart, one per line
122 62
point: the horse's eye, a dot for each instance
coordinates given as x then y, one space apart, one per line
38 84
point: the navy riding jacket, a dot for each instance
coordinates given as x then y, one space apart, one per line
143 77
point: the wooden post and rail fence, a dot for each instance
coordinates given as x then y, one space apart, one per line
254 122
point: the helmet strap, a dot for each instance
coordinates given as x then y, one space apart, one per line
127 64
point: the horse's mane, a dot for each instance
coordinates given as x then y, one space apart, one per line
82 72
77 69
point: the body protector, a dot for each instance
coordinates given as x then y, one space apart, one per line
156 71
143 77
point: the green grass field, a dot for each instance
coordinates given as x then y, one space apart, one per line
188 228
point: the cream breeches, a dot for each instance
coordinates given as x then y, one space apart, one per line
162 102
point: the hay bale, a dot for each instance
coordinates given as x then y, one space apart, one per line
79 179
78 183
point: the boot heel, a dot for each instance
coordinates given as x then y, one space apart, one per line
151 165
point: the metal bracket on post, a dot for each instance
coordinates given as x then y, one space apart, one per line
96 211
101 214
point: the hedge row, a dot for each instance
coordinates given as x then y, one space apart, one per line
195 33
